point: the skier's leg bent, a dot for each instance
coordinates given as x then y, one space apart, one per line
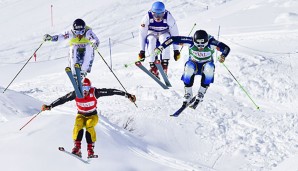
90 133
207 78
78 132
190 69
88 60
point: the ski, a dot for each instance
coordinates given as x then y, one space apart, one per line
184 106
139 64
79 78
162 72
76 156
195 104
74 83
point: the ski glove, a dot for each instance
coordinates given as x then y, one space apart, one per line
46 107
47 37
176 55
131 97
141 56
222 58
94 45
158 50
83 74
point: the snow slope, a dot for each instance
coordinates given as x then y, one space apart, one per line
225 133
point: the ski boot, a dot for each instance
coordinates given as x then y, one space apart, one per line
90 150
165 63
187 96
77 149
199 97
154 70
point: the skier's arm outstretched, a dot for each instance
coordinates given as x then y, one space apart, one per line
99 92
68 97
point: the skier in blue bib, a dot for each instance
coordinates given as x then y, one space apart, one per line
156 27
201 49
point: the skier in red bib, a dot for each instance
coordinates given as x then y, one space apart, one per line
87 113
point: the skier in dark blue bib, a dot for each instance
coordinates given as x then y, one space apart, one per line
156 27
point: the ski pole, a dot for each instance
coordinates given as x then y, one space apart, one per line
113 73
189 33
241 87
22 67
31 119
127 65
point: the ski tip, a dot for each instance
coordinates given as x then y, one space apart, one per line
77 65
93 156
67 69
61 149
138 63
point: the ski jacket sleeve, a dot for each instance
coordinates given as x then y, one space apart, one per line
92 37
173 28
108 92
178 40
143 31
68 97
60 37
223 48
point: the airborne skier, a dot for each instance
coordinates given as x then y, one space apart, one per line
87 113
156 27
200 62
82 43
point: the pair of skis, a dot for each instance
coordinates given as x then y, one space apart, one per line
62 149
77 83
166 84
193 103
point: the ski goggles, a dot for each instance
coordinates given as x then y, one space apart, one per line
79 32
200 45
86 88
158 15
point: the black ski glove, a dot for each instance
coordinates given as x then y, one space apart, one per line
142 56
176 55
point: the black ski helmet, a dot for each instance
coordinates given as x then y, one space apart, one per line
200 38
79 24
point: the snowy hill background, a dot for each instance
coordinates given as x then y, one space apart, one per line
225 133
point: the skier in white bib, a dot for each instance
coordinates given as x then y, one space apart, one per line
157 26
200 62
82 42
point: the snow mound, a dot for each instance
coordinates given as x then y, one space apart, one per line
287 18
26 105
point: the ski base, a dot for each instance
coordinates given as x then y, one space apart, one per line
162 72
73 155
184 106
139 64
73 82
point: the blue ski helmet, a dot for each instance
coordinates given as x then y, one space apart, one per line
158 7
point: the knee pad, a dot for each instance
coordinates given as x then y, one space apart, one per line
208 71
189 71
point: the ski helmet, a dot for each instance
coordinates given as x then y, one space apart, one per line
200 38
158 9
86 84
79 26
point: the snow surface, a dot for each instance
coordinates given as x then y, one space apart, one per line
225 133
